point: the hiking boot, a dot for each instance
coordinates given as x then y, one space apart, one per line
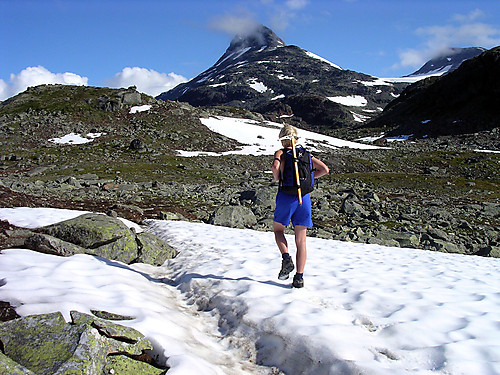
298 282
286 267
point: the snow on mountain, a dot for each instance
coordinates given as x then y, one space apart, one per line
261 73
314 56
447 62
218 307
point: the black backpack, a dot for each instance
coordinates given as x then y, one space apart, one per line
288 183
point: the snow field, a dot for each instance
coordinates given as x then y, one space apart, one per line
364 307
218 307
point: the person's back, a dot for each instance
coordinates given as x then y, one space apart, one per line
294 206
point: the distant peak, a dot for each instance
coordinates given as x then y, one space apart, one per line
447 61
258 37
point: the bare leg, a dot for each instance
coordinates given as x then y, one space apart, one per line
279 236
300 242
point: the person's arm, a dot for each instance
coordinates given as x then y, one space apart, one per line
276 167
321 168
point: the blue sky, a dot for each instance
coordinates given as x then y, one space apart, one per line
156 44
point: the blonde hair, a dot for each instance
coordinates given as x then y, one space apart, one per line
288 132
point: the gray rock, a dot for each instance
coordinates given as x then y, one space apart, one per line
131 98
438 234
352 208
265 196
495 251
233 217
46 344
99 234
153 250
448 247
45 243
137 145
400 239
491 209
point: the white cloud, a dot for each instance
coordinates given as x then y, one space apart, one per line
34 76
462 32
283 15
281 20
296 4
469 17
147 81
243 23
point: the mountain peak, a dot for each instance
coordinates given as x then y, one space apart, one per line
256 38
448 61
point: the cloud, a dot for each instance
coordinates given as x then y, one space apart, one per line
243 23
471 34
461 32
34 76
283 15
296 4
469 17
147 81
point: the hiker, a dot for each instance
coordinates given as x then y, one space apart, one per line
288 209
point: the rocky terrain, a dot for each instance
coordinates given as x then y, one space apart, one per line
433 193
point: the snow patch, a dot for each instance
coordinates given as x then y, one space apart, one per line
351 100
314 56
359 117
262 138
140 108
218 84
282 76
278 97
257 86
489 151
75 139
377 82
399 138
241 52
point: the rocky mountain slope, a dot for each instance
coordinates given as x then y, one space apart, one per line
259 72
462 102
436 193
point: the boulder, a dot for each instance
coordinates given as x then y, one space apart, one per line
44 243
95 234
153 250
100 235
131 98
352 208
448 247
265 196
491 209
46 344
233 217
394 238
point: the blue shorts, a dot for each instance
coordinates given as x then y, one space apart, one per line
288 208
